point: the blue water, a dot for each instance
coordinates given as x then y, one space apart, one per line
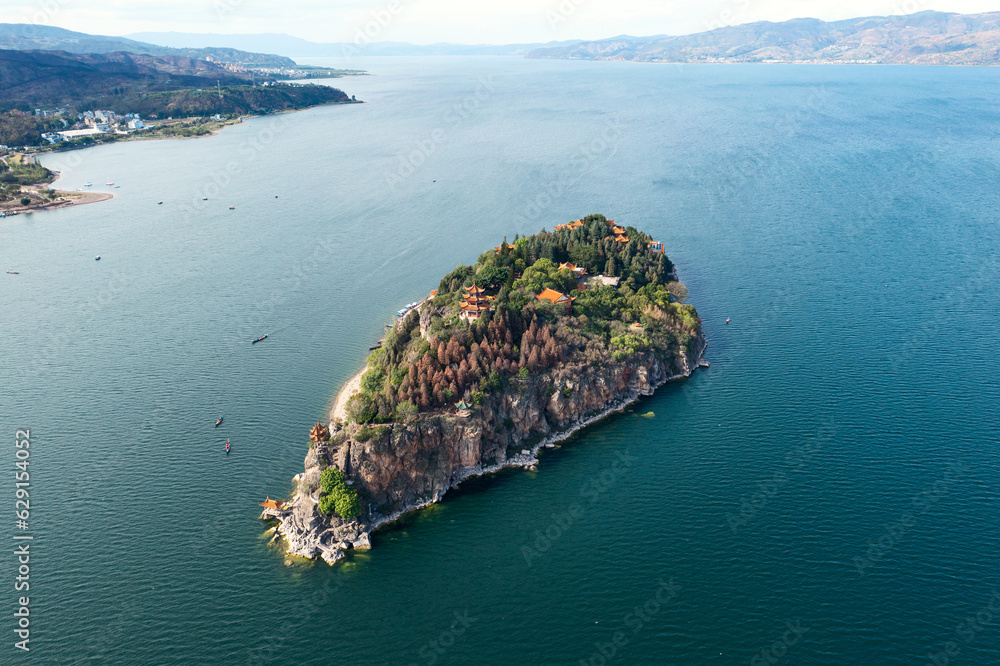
844 218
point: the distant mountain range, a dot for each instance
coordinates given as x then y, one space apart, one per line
28 37
924 38
129 82
294 47
55 78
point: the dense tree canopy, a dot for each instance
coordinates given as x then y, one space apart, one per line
521 336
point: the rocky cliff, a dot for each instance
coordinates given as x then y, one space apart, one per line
400 467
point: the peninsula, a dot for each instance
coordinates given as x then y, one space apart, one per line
536 340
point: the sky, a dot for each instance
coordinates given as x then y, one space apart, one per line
456 21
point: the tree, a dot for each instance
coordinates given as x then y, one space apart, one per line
25 201
339 497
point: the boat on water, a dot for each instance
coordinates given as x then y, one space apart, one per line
256 340
88 184
97 258
227 446
159 203
110 183
13 273
218 421
727 320
232 208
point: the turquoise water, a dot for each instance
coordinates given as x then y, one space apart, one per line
844 218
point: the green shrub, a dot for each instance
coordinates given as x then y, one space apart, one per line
523 374
338 497
406 411
492 383
372 381
331 478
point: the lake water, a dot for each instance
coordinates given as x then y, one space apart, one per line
835 471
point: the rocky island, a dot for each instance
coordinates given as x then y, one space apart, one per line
536 340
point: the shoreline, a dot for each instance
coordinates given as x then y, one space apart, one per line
339 409
49 150
530 459
71 200
308 542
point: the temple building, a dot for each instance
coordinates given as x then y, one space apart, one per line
554 296
319 433
272 504
474 304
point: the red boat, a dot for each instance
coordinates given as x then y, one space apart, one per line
218 422
227 446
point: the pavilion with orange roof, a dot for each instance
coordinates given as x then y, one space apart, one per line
554 296
272 504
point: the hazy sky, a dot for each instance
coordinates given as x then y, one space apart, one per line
460 21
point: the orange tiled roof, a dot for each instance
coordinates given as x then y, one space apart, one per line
554 296
272 504
434 292
621 239
568 265
475 289
618 230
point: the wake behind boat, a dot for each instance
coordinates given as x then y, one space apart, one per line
256 340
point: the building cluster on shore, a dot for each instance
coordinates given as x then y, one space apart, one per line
90 123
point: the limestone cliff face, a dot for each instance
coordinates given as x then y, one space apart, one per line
401 467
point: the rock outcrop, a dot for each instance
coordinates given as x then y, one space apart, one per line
397 468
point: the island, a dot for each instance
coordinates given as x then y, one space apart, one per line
537 339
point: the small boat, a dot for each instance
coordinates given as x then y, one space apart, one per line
12 273
88 184
97 258
727 320
232 208
117 187
218 422
159 203
110 183
227 446
256 340
204 199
